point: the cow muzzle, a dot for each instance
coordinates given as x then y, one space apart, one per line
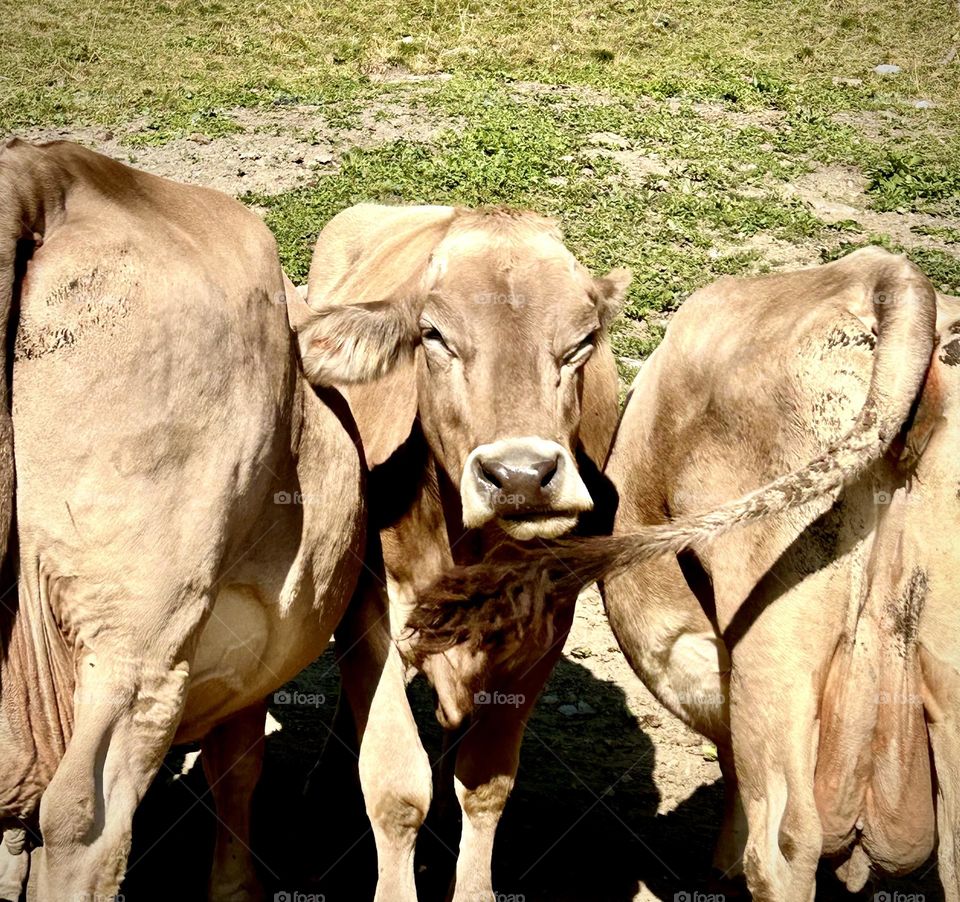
530 486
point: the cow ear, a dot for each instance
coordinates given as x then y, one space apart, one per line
610 292
355 343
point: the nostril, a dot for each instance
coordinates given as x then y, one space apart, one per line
546 470
489 476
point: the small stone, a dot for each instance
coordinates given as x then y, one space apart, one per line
924 104
609 139
568 710
249 155
567 158
887 69
296 157
581 652
105 136
585 708
550 699
586 171
198 138
407 39
323 157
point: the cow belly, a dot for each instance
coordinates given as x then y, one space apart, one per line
873 781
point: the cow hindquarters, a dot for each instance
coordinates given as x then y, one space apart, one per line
232 757
394 769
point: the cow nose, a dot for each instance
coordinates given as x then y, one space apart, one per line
518 483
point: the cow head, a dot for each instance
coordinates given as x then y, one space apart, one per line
499 326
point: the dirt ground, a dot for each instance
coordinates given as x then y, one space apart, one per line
616 799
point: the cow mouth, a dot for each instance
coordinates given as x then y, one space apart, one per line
537 524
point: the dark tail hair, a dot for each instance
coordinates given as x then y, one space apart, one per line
476 605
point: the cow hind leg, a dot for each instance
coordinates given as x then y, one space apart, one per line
232 757
125 714
14 865
775 760
942 685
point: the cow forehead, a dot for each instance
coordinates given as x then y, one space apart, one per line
519 270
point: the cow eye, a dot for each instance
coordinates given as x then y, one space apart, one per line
432 336
581 351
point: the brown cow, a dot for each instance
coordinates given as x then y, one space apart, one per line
819 649
493 424
169 577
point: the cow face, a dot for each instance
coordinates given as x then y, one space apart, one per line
502 326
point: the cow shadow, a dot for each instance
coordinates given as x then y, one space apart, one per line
582 823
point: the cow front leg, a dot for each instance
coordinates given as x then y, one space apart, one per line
14 864
232 756
486 768
394 769
125 715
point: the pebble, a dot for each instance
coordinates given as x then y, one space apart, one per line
550 699
609 139
924 104
887 69
585 708
568 710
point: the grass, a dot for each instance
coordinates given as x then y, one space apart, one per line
715 108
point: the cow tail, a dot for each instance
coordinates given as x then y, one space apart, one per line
21 221
476 605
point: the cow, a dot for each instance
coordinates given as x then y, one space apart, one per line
818 645
190 521
492 424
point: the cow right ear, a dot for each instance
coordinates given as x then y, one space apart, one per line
355 343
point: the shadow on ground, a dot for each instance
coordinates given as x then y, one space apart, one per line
582 823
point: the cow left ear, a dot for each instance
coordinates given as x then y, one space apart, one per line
610 292
355 343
